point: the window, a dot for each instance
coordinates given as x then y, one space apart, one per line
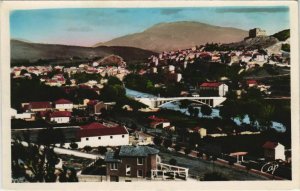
123 136
113 166
99 137
140 161
128 170
111 137
140 173
87 139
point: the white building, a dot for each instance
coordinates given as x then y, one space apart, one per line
98 134
221 88
63 105
27 116
60 117
274 151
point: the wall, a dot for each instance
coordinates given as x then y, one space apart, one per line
60 119
223 89
117 140
91 178
63 107
279 152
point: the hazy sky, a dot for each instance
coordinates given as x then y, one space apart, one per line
86 26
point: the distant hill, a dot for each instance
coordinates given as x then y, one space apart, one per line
282 35
31 52
178 35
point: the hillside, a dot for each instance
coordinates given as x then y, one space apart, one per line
254 43
32 52
178 35
282 35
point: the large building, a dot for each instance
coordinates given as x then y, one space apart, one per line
137 163
102 134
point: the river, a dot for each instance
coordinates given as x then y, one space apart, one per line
279 127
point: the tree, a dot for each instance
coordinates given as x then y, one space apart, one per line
265 115
74 145
206 110
102 150
157 141
187 150
173 161
87 148
167 143
177 147
191 110
196 112
40 161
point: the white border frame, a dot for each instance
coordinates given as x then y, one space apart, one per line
6 7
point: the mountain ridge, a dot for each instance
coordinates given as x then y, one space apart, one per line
165 36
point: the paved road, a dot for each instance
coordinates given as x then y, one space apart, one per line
198 167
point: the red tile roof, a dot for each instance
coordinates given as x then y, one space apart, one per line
98 129
93 125
270 145
251 82
40 105
63 101
61 114
92 102
210 84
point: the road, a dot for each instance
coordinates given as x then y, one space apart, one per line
198 167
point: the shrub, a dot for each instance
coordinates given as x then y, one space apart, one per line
173 162
87 148
74 145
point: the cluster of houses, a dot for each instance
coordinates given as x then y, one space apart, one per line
23 71
60 80
59 111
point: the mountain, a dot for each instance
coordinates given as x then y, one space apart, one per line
178 35
26 52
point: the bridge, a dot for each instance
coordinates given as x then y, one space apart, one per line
157 102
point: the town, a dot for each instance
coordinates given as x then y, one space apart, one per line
217 111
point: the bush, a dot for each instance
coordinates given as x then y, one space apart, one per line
74 145
157 141
187 150
102 150
167 143
177 148
87 148
173 162
206 110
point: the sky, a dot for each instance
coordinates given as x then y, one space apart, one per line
88 26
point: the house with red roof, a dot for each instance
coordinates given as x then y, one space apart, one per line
63 105
273 151
37 106
251 83
158 122
102 134
213 89
60 116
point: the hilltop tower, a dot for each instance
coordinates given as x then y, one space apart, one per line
257 32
